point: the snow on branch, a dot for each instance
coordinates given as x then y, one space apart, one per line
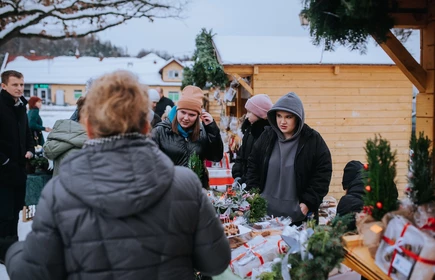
58 19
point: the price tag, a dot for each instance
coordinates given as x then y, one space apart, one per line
402 265
376 228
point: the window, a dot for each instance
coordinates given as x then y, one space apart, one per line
28 90
77 94
174 95
173 74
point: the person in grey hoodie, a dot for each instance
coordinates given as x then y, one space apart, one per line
119 208
290 163
66 137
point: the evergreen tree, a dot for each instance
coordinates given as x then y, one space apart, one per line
350 22
196 164
380 172
421 187
206 70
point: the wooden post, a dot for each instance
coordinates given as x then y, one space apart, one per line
425 99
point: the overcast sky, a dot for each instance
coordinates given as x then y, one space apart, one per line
225 17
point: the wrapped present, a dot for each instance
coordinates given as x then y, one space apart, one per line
371 231
254 254
406 252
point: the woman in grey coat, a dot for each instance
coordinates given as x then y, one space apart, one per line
119 208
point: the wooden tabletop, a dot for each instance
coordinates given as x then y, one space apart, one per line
358 258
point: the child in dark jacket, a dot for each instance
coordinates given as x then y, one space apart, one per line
352 201
254 124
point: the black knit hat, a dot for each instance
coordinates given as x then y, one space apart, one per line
352 170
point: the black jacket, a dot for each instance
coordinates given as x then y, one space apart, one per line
129 213
161 105
15 140
352 202
313 165
208 146
251 132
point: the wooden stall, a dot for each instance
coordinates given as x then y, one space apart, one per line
346 101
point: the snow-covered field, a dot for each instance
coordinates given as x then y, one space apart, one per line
49 115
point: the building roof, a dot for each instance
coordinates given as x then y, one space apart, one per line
251 50
72 70
169 62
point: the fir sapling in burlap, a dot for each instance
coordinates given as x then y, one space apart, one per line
380 191
420 190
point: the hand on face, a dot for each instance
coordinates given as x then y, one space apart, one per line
206 118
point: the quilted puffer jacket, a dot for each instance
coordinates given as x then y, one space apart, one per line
120 209
179 149
66 137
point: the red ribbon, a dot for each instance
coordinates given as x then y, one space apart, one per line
250 249
406 251
430 225
281 248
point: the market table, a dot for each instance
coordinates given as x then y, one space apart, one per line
34 185
358 258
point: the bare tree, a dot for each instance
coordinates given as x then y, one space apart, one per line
58 19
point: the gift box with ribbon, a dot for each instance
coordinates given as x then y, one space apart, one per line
253 254
406 252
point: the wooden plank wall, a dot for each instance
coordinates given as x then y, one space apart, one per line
347 105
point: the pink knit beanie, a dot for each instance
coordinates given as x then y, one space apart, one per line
259 105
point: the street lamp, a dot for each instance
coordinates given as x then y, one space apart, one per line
303 19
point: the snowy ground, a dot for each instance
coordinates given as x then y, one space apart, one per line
49 115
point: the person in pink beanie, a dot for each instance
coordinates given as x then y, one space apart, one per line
254 124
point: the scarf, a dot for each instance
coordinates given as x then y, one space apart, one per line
171 117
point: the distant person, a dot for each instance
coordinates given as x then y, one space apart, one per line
353 184
88 85
16 147
290 163
66 137
119 208
190 130
163 102
154 97
35 121
252 127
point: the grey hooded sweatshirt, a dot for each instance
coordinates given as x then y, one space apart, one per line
280 187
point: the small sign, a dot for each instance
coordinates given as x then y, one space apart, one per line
41 86
402 265
376 228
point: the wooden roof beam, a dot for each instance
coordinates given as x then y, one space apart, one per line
409 20
404 60
243 83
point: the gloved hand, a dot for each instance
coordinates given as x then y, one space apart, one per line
50 165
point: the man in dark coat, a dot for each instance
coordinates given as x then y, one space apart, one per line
353 184
16 145
163 102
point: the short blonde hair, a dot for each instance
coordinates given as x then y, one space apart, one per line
116 104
